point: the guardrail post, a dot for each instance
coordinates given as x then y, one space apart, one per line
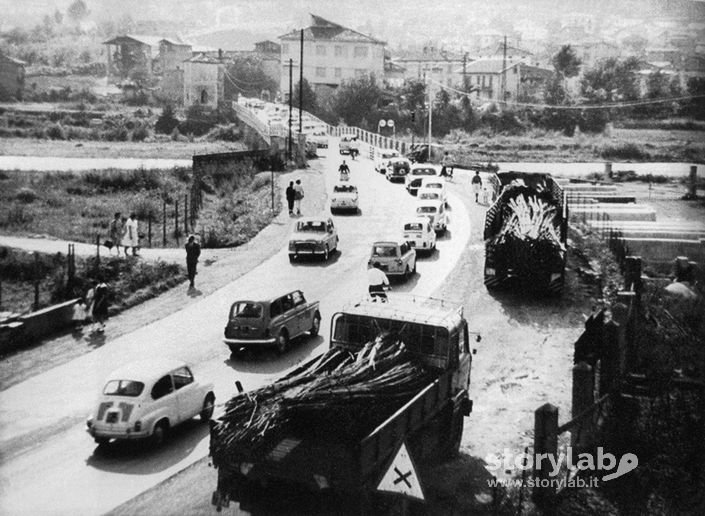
545 445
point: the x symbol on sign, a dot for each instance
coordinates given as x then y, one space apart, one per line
402 477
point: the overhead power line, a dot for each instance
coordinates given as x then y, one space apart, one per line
580 107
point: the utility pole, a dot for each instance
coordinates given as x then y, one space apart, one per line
504 71
465 77
430 118
291 94
301 81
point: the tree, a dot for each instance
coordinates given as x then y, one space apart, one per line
555 93
566 62
166 123
611 80
246 76
309 101
358 100
77 11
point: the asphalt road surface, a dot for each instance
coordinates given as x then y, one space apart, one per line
51 466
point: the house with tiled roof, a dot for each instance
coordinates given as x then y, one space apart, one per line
489 76
436 64
204 81
332 54
145 54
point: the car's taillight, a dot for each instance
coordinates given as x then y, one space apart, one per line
138 426
89 422
398 260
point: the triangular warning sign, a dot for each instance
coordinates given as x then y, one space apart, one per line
401 476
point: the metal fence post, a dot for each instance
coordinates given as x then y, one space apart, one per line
185 213
583 396
176 222
149 229
164 222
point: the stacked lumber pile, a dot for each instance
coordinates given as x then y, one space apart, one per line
529 240
342 394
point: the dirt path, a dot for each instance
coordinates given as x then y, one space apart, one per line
217 267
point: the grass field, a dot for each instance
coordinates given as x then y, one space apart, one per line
79 207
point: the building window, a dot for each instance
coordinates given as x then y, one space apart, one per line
204 97
491 81
338 72
483 81
320 71
320 50
339 51
285 48
477 80
516 70
360 52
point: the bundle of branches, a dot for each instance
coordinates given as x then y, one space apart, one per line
529 240
342 394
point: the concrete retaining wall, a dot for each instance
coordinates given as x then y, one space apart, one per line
32 327
666 250
627 213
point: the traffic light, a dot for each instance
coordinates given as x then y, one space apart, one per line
413 116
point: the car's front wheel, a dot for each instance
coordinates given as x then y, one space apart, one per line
208 407
292 258
101 441
282 341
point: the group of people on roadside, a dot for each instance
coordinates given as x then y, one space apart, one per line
294 194
124 231
92 308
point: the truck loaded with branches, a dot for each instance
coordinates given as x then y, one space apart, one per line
394 373
525 233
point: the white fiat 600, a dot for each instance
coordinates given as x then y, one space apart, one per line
344 197
145 399
419 233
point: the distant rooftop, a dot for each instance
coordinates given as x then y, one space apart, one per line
324 29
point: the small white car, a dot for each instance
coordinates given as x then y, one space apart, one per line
416 175
145 399
435 183
382 159
419 234
344 197
435 211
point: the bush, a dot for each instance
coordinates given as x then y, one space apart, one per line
140 133
26 195
624 151
56 132
261 180
125 180
167 122
228 133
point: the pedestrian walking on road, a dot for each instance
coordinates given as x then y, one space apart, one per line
130 236
116 232
100 306
476 185
290 197
79 315
193 251
298 195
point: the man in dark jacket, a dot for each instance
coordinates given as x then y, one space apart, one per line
290 196
193 251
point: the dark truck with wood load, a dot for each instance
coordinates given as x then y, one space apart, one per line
525 233
343 453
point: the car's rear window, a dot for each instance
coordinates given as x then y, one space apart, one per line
426 209
384 251
433 185
123 388
423 172
344 189
414 226
315 226
246 310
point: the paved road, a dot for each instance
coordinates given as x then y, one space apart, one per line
64 473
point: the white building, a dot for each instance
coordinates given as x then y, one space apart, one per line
332 54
